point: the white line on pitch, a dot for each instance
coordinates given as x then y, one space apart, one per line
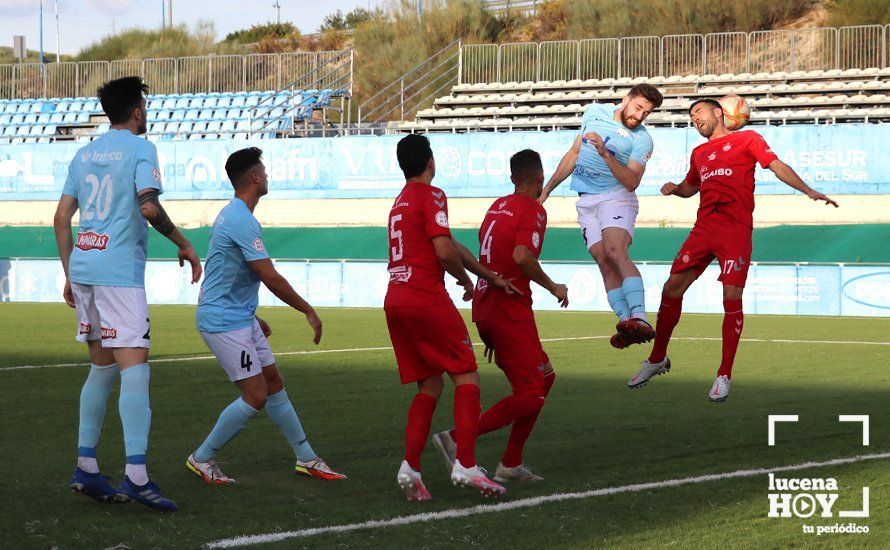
527 503
385 348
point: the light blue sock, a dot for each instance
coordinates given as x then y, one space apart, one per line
93 398
282 412
635 296
231 421
618 303
134 411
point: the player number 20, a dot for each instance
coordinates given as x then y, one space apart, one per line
395 235
98 203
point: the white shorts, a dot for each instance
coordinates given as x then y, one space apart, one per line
599 211
241 353
116 315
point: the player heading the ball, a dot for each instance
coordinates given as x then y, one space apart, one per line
722 170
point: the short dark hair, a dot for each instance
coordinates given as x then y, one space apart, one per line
413 152
710 101
120 97
648 92
240 162
525 164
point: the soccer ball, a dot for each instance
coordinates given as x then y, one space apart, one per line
736 111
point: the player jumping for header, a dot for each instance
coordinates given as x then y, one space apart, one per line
237 262
511 238
722 170
115 182
607 161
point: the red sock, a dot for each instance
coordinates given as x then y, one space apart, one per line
668 317
506 411
733 321
467 409
522 429
420 417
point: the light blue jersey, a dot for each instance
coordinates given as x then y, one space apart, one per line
105 177
592 174
230 292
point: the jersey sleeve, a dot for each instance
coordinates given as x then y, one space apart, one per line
761 151
434 211
692 176
530 231
148 169
249 238
70 187
642 148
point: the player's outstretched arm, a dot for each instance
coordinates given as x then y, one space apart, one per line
278 285
532 269
476 268
684 189
788 176
563 170
151 209
62 226
449 257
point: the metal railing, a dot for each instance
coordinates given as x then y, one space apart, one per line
202 74
335 73
824 48
415 89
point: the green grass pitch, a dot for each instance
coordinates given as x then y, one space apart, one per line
593 433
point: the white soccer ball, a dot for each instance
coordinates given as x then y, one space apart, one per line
736 111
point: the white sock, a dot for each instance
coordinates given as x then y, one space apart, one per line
137 473
88 464
642 315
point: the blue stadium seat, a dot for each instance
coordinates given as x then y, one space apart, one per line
196 102
83 117
62 106
155 104
228 126
219 114
5 119
9 131
178 114
91 106
233 114
182 103
169 103
24 107
31 118
36 107
192 114
55 118
75 106
43 118
184 128
223 102
70 117
17 119
238 101
48 107
162 114
251 100
210 102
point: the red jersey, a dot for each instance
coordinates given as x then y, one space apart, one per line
510 221
416 278
724 168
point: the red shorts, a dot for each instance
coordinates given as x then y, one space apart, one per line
717 235
429 340
517 352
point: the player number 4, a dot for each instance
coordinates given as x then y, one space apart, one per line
245 361
395 234
485 249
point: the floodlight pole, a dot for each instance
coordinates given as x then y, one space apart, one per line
277 6
41 32
170 14
58 48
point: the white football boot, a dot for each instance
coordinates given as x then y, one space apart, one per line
411 483
208 471
648 370
720 390
517 473
446 445
477 478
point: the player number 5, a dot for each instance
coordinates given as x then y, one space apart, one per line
395 234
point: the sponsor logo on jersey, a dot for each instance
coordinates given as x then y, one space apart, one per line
156 174
109 333
92 241
536 239
442 218
85 328
623 133
400 274
258 245
712 156
727 147
705 174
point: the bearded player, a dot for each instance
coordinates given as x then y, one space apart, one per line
722 170
428 334
510 239
606 162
